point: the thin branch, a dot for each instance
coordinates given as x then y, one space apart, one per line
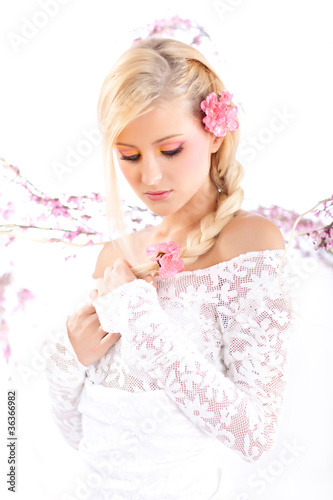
44 195
45 229
54 240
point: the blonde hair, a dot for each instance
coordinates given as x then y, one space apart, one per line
151 72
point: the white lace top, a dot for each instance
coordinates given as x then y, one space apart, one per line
207 350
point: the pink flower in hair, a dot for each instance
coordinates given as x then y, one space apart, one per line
221 114
167 256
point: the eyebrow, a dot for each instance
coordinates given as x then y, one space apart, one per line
155 142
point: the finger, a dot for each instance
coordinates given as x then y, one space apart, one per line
121 274
107 271
128 264
86 309
103 291
110 338
101 333
99 282
100 285
94 321
120 262
150 279
93 294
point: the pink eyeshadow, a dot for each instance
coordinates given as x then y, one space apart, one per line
127 151
172 145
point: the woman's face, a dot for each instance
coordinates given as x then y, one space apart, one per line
167 150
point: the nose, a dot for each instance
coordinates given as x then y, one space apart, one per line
151 173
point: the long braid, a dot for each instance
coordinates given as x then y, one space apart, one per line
171 70
200 241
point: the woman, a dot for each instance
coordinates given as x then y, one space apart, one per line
183 349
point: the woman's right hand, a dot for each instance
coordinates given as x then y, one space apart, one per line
90 342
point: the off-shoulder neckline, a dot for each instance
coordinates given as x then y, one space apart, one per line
224 263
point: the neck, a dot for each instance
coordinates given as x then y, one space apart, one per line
188 218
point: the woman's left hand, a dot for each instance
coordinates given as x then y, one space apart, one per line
115 276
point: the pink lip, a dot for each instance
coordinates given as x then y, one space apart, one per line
157 195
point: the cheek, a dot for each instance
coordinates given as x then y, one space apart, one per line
130 174
196 162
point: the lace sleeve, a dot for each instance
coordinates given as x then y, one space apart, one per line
240 408
65 378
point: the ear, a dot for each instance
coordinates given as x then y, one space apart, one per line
216 143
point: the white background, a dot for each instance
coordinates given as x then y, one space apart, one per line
275 58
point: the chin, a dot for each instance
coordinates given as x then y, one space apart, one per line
162 212
163 208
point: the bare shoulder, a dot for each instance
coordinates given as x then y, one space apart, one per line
249 232
106 258
111 251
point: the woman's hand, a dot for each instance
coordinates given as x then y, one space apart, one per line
115 276
90 342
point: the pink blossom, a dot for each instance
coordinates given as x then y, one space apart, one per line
226 97
220 115
323 238
170 267
97 197
7 352
23 296
34 197
70 257
16 170
10 210
4 330
196 40
167 256
71 235
160 249
11 239
5 280
231 118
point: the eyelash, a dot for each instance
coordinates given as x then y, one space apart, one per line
167 154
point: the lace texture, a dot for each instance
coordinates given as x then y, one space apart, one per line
66 376
214 340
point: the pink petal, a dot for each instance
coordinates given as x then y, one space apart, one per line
170 268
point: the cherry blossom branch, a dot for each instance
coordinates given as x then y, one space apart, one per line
55 206
52 240
169 26
326 241
328 204
288 220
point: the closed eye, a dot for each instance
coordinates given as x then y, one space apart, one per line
167 153
173 152
130 158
